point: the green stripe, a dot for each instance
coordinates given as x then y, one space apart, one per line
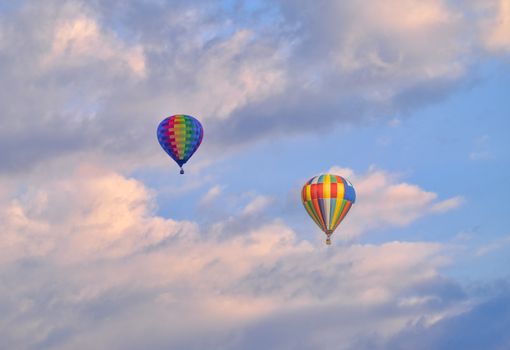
309 204
344 202
332 205
341 209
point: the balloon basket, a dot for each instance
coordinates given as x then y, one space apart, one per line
182 171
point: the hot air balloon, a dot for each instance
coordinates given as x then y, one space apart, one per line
180 135
327 199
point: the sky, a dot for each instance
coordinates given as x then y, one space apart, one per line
104 245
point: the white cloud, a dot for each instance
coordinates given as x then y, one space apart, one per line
211 195
102 263
257 205
227 78
383 201
493 246
93 215
80 40
408 23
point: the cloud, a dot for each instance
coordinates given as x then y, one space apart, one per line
497 26
383 201
91 70
77 41
493 246
257 205
481 327
85 259
90 67
211 195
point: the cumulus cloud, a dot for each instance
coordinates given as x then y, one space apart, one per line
384 201
86 260
98 216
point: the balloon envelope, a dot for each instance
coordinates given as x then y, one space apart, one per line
327 199
180 135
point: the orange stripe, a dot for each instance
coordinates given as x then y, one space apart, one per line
344 212
317 208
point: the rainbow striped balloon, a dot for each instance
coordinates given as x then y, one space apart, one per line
327 199
180 135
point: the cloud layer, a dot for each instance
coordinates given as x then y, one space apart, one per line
77 71
87 260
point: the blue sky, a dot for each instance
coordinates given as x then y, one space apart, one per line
104 245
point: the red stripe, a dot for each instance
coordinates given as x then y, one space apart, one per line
318 212
320 191
333 188
344 212
314 191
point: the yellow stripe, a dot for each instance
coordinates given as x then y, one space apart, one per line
340 190
308 192
337 213
344 213
326 187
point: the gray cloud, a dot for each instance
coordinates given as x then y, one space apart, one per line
483 327
96 77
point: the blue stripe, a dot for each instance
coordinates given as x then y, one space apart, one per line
349 193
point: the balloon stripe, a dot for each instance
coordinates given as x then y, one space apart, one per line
346 209
327 216
311 212
317 209
338 212
349 191
316 214
326 187
344 212
333 203
333 189
308 192
340 190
